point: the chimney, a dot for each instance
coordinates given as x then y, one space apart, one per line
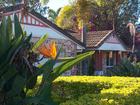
83 35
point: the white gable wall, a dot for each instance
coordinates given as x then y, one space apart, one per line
111 47
40 31
112 44
38 28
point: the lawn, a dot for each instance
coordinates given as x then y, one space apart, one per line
96 90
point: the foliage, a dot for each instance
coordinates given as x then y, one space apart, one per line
114 90
39 42
96 90
17 71
125 68
65 17
83 10
103 15
46 11
52 15
116 15
104 99
16 63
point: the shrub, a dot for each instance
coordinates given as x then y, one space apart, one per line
104 99
78 90
96 99
125 68
72 89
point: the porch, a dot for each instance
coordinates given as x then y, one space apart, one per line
104 60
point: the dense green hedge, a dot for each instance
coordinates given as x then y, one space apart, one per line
96 90
66 88
91 90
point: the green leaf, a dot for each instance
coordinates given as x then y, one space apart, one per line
18 86
31 81
17 29
3 40
9 30
46 70
10 53
67 65
7 77
32 100
39 42
27 40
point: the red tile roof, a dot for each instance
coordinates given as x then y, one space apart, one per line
95 38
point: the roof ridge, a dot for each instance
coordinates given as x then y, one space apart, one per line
104 38
57 28
45 20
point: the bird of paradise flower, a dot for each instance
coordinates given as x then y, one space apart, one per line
48 51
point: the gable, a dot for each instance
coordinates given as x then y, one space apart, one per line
93 39
33 25
38 25
112 39
112 43
26 20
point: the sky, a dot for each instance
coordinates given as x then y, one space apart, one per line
139 20
56 4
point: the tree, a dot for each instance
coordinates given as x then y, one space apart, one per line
105 11
65 17
105 15
52 15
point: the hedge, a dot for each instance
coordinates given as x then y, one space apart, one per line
96 90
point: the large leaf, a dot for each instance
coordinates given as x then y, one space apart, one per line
39 42
18 30
18 86
67 65
3 39
11 52
9 30
6 77
46 70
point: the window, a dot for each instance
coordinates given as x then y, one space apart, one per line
109 59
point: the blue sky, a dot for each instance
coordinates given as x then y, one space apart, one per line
139 20
56 4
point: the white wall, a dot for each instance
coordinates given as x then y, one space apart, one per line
40 31
111 47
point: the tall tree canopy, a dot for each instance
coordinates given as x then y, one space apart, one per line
103 15
64 19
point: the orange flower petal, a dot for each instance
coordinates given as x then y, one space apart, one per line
48 51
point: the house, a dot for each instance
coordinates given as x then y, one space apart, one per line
109 49
37 25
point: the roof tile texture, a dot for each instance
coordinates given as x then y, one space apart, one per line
94 38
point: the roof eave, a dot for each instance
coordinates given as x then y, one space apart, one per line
58 29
